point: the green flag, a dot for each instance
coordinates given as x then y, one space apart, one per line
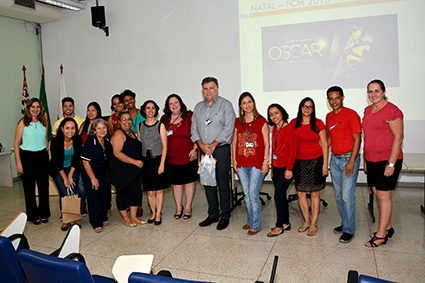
43 99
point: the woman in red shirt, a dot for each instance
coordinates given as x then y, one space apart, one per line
383 136
250 149
182 154
283 145
311 165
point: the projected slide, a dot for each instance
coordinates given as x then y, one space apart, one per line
315 55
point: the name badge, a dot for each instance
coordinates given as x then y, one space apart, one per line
274 156
208 121
170 132
249 144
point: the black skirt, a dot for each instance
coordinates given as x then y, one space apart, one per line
184 174
308 175
150 178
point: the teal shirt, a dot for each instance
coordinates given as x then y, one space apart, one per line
68 157
136 121
34 137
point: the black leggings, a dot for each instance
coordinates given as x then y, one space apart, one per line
130 195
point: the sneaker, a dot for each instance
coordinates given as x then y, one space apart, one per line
338 230
346 238
84 212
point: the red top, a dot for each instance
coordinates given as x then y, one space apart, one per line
341 127
308 142
179 142
284 146
114 120
250 143
378 138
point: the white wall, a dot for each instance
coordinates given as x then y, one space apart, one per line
155 48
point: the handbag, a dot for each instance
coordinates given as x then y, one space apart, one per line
71 207
207 171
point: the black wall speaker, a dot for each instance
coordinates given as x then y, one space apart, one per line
98 16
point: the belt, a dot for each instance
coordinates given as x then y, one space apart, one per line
343 155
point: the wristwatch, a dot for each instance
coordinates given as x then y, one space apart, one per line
391 165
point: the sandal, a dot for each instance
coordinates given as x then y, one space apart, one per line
271 234
312 231
98 229
129 223
179 215
138 221
303 228
372 241
390 233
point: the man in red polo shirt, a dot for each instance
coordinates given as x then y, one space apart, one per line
344 132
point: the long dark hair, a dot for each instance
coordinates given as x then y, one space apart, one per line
282 110
60 135
299 120
87 121
27 115
167 111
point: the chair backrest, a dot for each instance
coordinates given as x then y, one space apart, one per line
42 268
16 226
138 277
10 269
369 279
71 243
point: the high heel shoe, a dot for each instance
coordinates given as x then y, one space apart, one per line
178 216
159 222
372 241
150 221
390 233
187 216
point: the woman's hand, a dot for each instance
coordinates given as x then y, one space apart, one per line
325 170
389 171
288 175
193 154
71 182
235 166
66 183
161 169
19 167
95 183
138 163
265 169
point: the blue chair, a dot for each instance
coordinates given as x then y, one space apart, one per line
353 277
10 269
137 277
42 268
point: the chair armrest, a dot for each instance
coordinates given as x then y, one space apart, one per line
23 243
76 256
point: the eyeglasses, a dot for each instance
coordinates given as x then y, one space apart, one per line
307 107
125 119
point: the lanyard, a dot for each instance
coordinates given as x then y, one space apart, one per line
172 123
276 136
249 131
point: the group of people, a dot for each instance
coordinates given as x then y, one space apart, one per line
133 149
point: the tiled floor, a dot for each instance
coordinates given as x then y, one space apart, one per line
193 252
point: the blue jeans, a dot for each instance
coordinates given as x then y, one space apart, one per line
345 191
251 179
61 186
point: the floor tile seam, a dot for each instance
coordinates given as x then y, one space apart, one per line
378 252
175 248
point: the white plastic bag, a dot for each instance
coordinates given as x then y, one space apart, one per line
207 171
